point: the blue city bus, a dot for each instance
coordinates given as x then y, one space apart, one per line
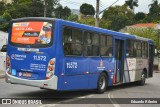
61 55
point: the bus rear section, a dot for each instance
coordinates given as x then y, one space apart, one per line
29 61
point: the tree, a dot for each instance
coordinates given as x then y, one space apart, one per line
24 8
6 16
118 17
139 17
87 9
62 13
88 21
36 8
154 11
66 12
51 6
149 32
2 7
58 11
131 4
73 17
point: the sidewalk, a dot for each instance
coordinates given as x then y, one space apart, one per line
157 71
2 74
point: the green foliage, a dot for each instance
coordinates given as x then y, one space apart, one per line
62 13
87 9
73 17
154 10
66 12
150 33
119 17
6 16
104 24
24 8
2 7
88 21
131 4
139 17
4 27
4 21
58 11
50 6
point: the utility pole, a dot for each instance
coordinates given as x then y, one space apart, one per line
45 8
97 14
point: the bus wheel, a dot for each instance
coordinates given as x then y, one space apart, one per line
143 78
102 83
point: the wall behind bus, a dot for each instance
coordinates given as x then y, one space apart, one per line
3 38
3 41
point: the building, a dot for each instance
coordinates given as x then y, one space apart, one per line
140 26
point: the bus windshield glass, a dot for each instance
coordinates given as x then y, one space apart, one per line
31 33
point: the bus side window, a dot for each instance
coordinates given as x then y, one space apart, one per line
144 49
106 45
130 48
72 41
139 49
87 44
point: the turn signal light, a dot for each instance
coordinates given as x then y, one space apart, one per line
51 62
50 68
8 59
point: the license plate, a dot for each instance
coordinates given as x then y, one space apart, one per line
26 74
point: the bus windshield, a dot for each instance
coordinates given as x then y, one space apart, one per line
31 33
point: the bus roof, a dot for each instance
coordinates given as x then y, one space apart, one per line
83 26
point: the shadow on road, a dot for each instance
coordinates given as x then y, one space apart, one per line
45 93
125 86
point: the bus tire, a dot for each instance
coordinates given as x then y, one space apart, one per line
102 83
143 78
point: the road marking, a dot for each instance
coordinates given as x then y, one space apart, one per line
70 100
90 95
81 97
112 101
48 105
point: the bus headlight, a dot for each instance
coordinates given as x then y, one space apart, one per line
50 69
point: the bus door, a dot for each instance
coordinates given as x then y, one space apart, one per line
151 58
119 64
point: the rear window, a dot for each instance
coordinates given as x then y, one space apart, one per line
31 33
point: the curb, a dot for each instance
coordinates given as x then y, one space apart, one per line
157 71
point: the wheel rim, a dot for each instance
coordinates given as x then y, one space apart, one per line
102 83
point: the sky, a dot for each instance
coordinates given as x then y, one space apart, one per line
75 4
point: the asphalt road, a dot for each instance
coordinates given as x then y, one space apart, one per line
150 90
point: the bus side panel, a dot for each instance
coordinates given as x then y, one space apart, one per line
141 64
133 68
98 65
83 73
75 82
59 55
130 69
93 78
76 73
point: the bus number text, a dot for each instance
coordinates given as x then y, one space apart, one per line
39 58
71 64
